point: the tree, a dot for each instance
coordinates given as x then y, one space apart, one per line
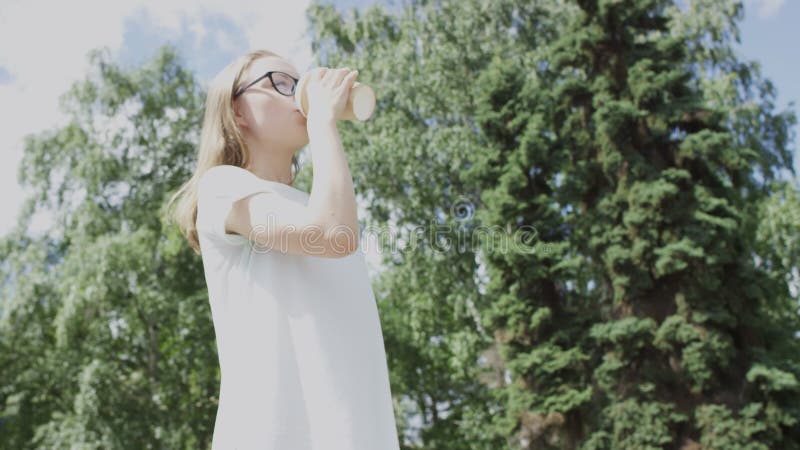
637 146
106 334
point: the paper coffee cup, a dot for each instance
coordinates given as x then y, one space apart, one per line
360 103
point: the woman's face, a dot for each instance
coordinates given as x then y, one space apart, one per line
265 115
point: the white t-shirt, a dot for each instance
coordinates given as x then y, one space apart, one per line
299 340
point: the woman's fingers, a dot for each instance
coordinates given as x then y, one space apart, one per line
333 77
326 74
339 76
351 78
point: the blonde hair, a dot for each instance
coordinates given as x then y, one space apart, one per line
221 143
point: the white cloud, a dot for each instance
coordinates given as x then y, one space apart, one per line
46 45
199 30
766 8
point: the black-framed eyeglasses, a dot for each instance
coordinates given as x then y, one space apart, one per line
282 82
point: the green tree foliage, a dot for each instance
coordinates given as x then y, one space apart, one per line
105 338
652 303
643 152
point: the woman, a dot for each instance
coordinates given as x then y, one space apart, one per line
297 330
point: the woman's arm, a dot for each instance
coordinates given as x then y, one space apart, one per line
327 226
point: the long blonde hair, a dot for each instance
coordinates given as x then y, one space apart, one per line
221 142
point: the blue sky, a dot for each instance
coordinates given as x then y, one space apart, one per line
769 41
206 52
210 33
767 33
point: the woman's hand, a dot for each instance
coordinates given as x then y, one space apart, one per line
328 91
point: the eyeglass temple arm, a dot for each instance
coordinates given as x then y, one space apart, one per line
242 89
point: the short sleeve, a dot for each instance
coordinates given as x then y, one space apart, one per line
218 189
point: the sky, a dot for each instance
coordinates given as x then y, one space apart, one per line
45 47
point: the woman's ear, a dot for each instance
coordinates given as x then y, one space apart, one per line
238 116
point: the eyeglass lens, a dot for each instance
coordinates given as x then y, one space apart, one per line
283 83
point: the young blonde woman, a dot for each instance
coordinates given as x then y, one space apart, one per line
298 336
